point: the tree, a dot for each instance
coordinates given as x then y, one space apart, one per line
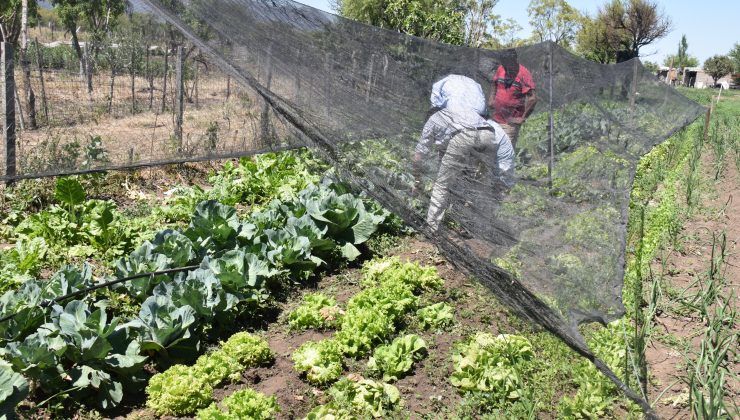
718 67
30 97
98 16
11 12
439 20
651 66
554 20
15 17
504 35
479 18
595 42
682 56
672 60
735 57
621 28
640 24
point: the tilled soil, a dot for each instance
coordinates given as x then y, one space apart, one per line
678 331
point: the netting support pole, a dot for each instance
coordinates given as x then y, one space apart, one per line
7 79
550 123
179 95
635 75
265 136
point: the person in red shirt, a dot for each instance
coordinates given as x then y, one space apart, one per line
512 97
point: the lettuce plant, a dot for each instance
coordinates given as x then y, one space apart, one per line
178 391
317 311
242 404
169 391
330 411
365 397
491 364
362 329
248 349
320 361
394 360
436 316
393 299
392 271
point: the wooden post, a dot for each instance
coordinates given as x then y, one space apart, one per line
164 83
133 79
179 95
149 77
44 103
195 85
18 103
228 86
112 80
707 118
7 79
265 114
635 75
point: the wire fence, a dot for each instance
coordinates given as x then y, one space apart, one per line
125 100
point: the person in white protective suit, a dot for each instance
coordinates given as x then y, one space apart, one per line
457 129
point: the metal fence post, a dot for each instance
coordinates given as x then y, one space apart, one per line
7 80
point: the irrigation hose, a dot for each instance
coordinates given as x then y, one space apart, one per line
47 303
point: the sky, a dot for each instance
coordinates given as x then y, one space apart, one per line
711 26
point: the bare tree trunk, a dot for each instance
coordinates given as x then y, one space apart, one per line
30 97
89 68
44 103
78 49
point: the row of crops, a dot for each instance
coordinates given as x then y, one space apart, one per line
102 346
266 225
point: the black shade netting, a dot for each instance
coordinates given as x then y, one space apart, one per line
539 215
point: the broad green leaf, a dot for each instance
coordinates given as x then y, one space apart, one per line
69 191
350 252
364 228
13 390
